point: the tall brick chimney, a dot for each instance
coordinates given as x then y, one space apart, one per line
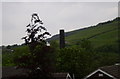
62 38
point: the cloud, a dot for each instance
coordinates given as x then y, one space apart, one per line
55 16
0 23
59 0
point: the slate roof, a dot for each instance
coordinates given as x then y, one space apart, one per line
60 75
12 71
113 70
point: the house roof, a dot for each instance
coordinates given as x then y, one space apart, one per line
12 71
113 70
60 74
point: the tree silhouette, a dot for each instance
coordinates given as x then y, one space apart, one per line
34 30
40 59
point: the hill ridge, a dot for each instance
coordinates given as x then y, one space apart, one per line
101 24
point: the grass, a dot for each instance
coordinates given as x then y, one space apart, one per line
98 35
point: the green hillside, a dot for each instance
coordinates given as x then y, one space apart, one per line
99 35
105 33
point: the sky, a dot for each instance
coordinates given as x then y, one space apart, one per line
55 16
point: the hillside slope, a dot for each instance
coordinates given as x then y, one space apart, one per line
101 34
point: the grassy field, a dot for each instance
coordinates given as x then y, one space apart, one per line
99 35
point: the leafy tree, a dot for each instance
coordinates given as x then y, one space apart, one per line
85 44
8 47
80 61
74 60
39 59
34 31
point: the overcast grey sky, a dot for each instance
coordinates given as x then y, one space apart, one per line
55 15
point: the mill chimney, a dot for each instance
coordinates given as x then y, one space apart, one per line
62 39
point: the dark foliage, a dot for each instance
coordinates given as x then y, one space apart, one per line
34 30
39 60
108 48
